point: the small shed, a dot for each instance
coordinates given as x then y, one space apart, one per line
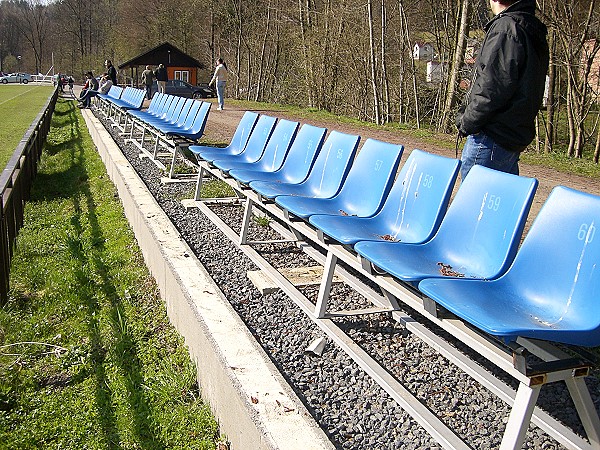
180 65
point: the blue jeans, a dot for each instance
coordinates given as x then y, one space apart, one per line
481 149
221 93
86 99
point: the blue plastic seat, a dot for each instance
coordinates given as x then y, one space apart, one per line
412 211
113 92
477 238
297 162
179 116
194 129
132 98
276 147
171 116
364 190
256 142
157 109
551 291
237 144
327 174
184 122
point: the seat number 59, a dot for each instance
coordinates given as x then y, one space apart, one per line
494 202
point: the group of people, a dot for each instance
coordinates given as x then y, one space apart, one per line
93 87
148 76
219 80
109 78
498 113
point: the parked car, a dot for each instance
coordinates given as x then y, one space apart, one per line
183 89
16 78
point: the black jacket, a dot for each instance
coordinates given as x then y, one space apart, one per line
509 80
161 74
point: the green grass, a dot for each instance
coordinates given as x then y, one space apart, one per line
87 356
19 106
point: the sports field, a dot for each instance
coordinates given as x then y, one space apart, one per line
19 106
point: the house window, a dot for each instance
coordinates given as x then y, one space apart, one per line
183 75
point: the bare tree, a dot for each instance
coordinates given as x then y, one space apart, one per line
457 63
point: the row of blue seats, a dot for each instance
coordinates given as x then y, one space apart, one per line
464 256
170 121
118 100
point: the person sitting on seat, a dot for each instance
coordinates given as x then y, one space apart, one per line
90 83
105 85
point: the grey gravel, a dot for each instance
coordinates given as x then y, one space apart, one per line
353 410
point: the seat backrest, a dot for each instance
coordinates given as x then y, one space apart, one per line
243 130
115 92
278 145
191 115
168 101
558 264
259 137
302 153
174 109
184 111
419 197
138 98
155 103
128 92
199 123
482 228
370 178
332 164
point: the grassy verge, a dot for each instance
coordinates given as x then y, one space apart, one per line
19 106
87 356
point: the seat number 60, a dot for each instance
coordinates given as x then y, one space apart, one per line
586 232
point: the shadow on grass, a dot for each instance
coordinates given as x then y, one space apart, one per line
94 284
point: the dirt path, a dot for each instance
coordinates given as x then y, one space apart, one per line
221 126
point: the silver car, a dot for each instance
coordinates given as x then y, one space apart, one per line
16 78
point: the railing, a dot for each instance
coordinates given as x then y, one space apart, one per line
44 78
15 185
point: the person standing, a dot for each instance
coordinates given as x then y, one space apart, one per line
506 92
219 79
147 80
161 78
111 71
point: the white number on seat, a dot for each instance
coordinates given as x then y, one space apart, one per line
494 202
586 232
427 180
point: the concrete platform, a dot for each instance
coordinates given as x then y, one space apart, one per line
255 407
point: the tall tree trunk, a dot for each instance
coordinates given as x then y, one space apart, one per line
373 62
457 62
384 73
550 99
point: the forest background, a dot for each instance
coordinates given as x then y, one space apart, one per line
349 57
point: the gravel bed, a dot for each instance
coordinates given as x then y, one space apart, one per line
353 410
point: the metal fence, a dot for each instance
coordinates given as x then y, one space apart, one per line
15 184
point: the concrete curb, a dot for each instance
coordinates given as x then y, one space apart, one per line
255 407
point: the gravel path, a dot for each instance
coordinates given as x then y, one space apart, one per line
354 411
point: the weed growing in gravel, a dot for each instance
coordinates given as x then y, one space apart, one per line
87 356
261 220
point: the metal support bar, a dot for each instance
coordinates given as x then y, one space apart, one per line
520 417
325 287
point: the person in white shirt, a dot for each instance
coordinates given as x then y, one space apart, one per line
220 80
